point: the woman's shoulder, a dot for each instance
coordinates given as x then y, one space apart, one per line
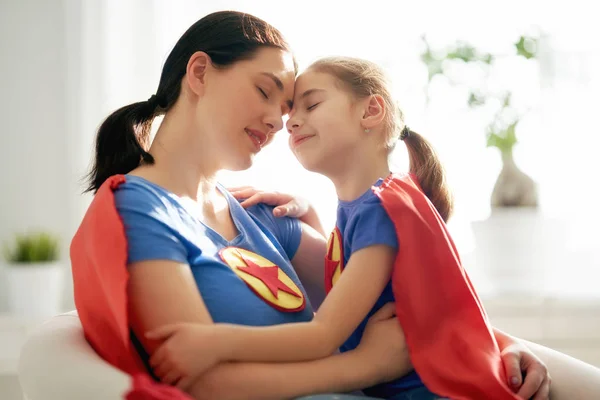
141 195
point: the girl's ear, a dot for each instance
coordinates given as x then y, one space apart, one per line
373 112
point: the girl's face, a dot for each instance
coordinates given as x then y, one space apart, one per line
242 106
325 123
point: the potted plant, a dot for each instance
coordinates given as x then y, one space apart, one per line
513 188
515 238
34 274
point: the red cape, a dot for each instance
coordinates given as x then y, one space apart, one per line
449 337
99 267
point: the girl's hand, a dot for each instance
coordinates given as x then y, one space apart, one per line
285 205
188 351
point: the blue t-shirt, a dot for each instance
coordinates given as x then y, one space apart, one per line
363 222
248 280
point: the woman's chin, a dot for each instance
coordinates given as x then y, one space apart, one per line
242 163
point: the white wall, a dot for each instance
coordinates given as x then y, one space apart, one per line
33 147
44 139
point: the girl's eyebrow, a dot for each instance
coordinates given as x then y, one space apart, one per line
309 92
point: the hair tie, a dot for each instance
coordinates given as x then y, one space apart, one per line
405 132
155 102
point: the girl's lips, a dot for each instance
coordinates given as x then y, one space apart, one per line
300 139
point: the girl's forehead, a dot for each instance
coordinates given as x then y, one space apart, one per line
311 80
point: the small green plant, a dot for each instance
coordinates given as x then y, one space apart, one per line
38 247
501 128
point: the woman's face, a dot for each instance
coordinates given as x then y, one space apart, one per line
245 106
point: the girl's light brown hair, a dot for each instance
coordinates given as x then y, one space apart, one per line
363 79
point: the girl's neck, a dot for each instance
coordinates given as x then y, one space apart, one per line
358 176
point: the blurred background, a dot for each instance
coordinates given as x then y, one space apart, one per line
502 89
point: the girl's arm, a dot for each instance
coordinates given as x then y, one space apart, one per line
360 285
190 348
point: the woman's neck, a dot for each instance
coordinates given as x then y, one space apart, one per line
177 166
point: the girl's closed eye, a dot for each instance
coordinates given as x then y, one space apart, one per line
310 108
263 93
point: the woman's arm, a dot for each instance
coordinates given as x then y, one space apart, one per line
309 262
159 293
380 357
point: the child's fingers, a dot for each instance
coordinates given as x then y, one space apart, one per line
290 209
162 332
243 193
161 370
239 188
171 377
185 383
270 198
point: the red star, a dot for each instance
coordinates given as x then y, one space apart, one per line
268 275
330 268
331 265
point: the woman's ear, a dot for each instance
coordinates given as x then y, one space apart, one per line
196 72
374 112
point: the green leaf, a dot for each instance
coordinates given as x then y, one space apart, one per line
527 47
32 248
434 64
487 58
464 52
476 99
468 53
502 138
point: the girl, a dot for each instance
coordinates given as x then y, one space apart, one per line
343 125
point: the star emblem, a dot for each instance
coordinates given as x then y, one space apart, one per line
269 275
265 278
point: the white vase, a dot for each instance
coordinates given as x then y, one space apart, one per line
34 290
513 187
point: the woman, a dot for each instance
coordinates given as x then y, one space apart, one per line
223 91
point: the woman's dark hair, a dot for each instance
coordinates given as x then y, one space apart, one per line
123 139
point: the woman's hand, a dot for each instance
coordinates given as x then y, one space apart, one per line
527 375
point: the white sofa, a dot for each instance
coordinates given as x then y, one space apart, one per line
57 363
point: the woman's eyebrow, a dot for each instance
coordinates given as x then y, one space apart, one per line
277 81
279 85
